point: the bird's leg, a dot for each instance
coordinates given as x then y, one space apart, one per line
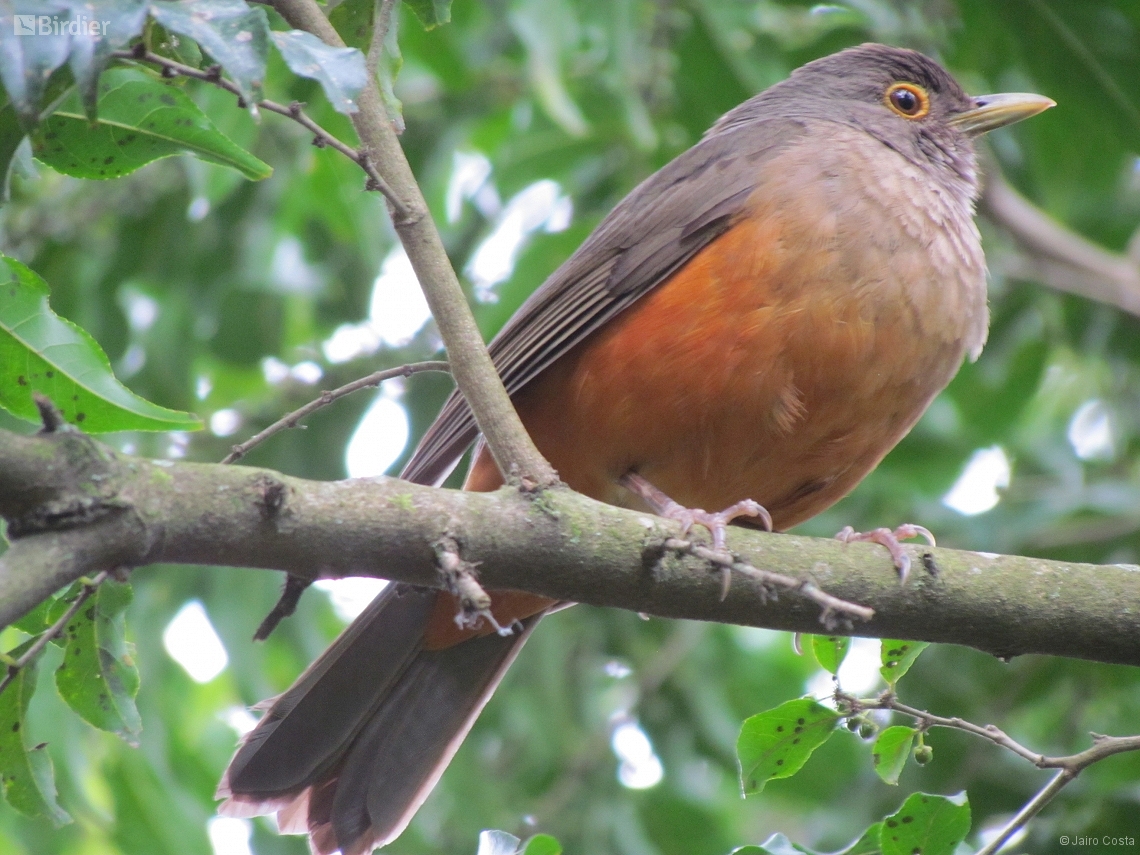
890 539
716 523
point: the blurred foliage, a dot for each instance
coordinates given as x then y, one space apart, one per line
200 286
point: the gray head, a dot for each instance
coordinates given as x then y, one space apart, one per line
904 99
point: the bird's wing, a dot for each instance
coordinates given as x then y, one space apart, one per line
651 234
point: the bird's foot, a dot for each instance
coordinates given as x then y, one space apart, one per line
716 523
890 539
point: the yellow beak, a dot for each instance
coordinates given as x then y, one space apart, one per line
997 111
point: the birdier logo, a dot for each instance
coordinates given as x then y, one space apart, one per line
54 25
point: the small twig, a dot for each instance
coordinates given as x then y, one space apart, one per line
459 578
286 605
926 720
322 138
54 630
50 416
728 564
1069 766
1031 808
326 398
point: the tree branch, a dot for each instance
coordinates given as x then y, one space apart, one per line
1057 256
511 446
558 544
1069 766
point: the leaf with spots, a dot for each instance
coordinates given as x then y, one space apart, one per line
340 71
777 743
26 774
897 657
891 750
830 651
141 120
97 677
926 825
42 352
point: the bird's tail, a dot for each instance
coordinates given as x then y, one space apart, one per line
350 752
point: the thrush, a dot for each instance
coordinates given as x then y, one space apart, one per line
762 320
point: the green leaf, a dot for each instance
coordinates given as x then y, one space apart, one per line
97 677
867 844
340 71
140 120
777 844
11 135
12 132
235 35
830 650
891 750
37 620
353 20
777 743
897 657
542 844
116 23
431 13
388 69
42 352
27 59
932 825
26 775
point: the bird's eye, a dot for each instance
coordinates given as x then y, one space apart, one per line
909 100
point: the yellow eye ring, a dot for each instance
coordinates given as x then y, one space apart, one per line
909 100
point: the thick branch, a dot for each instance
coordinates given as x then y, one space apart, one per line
474 373
559 544
1059 257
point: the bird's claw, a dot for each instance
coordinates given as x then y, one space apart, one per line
890 539
716 523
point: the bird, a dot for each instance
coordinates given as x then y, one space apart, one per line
760 321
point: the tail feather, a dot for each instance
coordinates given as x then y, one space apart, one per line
307 729
351 751
405 748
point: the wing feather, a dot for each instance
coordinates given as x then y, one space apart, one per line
649 236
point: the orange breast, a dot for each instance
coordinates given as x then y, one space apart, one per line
759 371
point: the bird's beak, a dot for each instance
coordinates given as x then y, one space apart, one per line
997 111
